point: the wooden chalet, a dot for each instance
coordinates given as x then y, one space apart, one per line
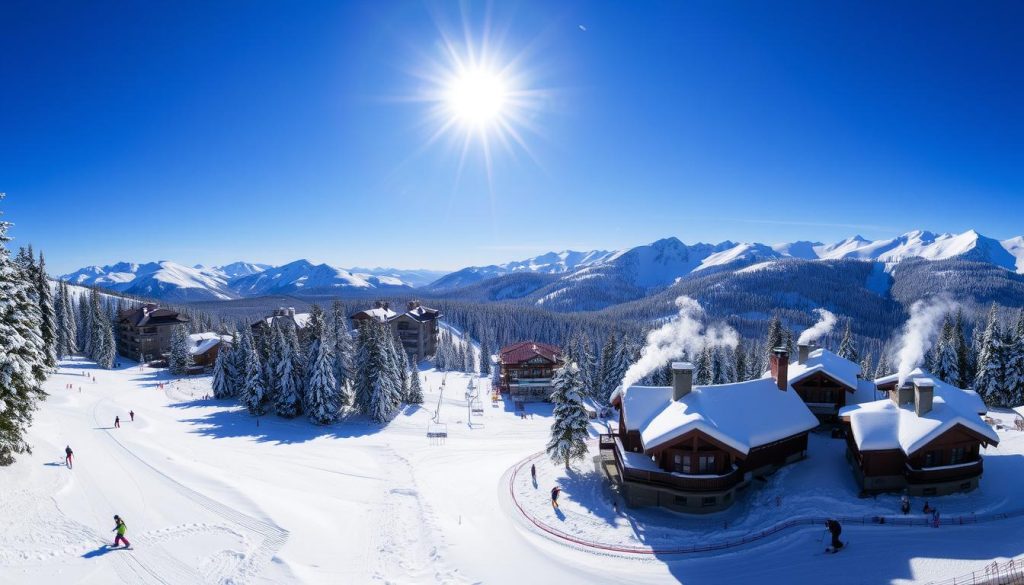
526 369
926 438
144 332
204 348
690 448
826 382
416 328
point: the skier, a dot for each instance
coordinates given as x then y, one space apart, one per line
835 529
117 422
554 496
131 413
905 504
67 456
120 528
533 472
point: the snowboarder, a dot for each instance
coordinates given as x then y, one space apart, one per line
120 528
533 472
68 453
554 496
835 529
131 413
117 422
905 504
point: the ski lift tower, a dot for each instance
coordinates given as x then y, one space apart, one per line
473 404
437 431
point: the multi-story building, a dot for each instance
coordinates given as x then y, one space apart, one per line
526 369
416 328
145 331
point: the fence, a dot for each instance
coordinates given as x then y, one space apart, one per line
706 546
1009 573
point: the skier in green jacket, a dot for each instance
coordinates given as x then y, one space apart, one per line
120 528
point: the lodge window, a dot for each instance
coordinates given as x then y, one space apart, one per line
957 455
708 501
932 458
706 464
687 464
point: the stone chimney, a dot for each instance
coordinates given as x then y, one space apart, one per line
682 379
780 367
924 391
903 394
804 351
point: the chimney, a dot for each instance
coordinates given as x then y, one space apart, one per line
903 394
804 351
682 379
924 391
780 367
412 305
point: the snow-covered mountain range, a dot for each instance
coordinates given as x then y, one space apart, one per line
611 276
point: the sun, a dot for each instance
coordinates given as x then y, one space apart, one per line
477 97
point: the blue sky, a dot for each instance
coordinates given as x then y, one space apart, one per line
269 131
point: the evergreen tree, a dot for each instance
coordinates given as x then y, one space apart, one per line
1015 362
946 364
965 362
569 428
606 376
990 380
221 382
867 366
253 393
740 362
180 359
847 347
288 392
415 390
704 373
364 356
22 354
343 354
883 368
323 398
48 325
485 358
776 337
67 330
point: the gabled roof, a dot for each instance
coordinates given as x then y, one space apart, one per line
882 425
964 399
524 351
822 360
200 343
423 314
744 415
150 314
379 313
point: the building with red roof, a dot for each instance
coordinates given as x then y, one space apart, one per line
526 369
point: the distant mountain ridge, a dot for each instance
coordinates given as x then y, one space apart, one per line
567 280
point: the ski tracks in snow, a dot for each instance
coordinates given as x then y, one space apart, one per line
408 546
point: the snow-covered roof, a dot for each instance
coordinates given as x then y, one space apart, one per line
882 425
743 415
840 369
301 319
200 343
379 313
966 399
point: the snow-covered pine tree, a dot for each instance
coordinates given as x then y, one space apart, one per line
946 366
776 336
883 368
403 366
66 328
485 358
415 389
965 358
847 347
569 427
364 355
990 381
704 373
288 393
236 361
1015 362
107 354
867 366
48 325
221 382
86 327
608 352
755 365
740 361
180 358
323 398
253 394
22 357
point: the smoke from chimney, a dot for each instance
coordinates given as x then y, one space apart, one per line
684 334
919 333
826 320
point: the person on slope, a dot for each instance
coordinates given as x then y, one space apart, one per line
554 496
117 422
68 453
533 472
131 413
835 529
120 528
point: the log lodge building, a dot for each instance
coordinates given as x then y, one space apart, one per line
691 448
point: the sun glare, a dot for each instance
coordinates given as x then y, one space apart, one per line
477 97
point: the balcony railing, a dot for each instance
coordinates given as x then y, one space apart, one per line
676 481
968 470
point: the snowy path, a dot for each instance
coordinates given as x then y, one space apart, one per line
210 496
